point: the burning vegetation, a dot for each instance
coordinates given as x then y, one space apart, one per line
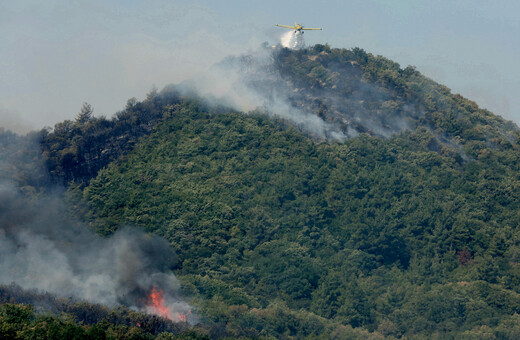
156 305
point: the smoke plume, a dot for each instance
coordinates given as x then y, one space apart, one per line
251 82
332 101
43 247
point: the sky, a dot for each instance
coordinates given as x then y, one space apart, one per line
55 55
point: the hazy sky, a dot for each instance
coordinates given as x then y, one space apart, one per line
55 55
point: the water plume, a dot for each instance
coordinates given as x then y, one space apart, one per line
293 40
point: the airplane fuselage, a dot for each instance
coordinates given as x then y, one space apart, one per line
299 28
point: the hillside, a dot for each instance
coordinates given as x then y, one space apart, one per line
366 233
397 217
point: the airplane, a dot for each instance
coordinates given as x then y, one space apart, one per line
299 28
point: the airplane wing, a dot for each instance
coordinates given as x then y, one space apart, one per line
313 29
286 26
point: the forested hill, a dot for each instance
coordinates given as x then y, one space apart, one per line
407 228
358 92
349 91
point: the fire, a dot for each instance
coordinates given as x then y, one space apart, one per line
156 303
182 317
157 306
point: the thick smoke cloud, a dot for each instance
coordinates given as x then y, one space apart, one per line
43 247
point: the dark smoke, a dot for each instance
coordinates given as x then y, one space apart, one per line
43 247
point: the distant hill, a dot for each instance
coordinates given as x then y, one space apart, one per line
397 217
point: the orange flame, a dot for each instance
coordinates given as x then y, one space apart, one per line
182 317
156 303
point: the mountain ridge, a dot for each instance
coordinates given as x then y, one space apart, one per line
327 104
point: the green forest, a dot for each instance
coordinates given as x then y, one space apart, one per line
281 234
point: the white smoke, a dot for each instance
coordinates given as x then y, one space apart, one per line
293 40
251 82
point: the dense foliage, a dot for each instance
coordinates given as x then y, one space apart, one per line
77 150
386 235
279 235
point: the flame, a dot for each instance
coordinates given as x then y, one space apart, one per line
181 317
157 306
156 303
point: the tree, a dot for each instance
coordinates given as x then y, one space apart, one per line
85 114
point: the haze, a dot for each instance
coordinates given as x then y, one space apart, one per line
58 54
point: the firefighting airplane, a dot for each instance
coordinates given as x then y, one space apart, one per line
299 28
